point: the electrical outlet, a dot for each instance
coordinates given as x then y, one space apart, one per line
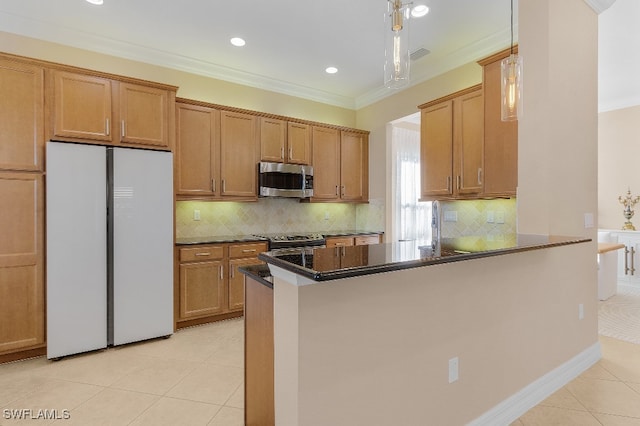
499 217
196 215
490 217
450 216
326 215
580 311
453 369
588 220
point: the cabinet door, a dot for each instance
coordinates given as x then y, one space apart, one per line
436 150
235 295
273 137
299 143
468 139
238 143
201 289
354 170
326 156
144 115
81 107
21 109
197 151
21 261
500 139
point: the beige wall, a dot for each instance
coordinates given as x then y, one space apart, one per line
191 86
618 170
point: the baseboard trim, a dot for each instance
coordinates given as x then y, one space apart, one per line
531 395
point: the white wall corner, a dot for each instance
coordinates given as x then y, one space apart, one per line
600 6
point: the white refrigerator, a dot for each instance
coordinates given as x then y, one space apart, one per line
109 246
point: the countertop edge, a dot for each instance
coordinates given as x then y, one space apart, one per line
397 266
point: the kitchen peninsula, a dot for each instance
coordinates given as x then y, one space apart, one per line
401 333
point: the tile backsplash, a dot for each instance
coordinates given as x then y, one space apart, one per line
479 217
275 215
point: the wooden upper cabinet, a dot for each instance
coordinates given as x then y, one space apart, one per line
354 166
298 143
239 154
451 146
21 261
326 163
273 139
143 115
197 151
436 150
468 136
22 112
500 137
82 107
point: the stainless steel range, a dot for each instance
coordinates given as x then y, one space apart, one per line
280 241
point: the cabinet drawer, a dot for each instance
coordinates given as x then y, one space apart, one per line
367 239
201 253
246 250
339 241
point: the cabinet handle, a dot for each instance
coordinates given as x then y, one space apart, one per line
290 153
233 268
458 182
213 185
342 190
336 190
107 128
221 272
626 260
203 254
479 176
449 184
122 126
224 186
339 244
248 250
633 253
282 152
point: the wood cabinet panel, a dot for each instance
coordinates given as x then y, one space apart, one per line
238 144
298 143
362 240
436 150
199 254
326 162
201 289
339 241
468 138
273 139
82 106
246 250
197 151
354 159
500 137
144 115
22 112
237 281
21 261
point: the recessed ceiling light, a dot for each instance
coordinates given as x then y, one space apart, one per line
237 41
331 70
419 11
98 2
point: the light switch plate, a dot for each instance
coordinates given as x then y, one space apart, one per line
588 220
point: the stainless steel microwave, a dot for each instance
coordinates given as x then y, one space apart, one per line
285 180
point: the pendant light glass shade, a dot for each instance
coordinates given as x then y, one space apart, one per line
511 83
396 52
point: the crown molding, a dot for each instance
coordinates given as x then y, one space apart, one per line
600 6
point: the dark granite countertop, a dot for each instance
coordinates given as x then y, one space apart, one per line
217 239
322 264
348 232
260 273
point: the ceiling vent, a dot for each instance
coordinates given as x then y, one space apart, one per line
419 53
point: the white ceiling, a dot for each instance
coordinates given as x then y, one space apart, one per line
291 42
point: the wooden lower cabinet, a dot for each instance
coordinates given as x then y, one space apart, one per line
259 407
209 285
21 263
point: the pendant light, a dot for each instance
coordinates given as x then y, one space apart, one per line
511 83
396 52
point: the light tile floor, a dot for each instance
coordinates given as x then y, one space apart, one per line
196 378
193 378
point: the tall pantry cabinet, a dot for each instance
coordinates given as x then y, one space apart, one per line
22 208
